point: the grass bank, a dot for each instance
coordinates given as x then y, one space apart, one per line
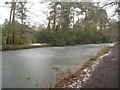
65 80
17 47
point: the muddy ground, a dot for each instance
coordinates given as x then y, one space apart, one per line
105 74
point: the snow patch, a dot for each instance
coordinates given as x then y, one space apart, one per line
36 44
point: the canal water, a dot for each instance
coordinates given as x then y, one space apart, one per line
31 68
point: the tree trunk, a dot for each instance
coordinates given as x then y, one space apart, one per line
85 28
13 24
9 27
55 6
21 27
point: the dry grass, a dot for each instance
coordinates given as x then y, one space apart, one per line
103 51
116 44
17 47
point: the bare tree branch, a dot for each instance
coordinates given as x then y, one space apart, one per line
111 3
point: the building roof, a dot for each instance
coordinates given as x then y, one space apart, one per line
25 28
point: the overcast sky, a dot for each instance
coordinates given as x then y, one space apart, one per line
36 14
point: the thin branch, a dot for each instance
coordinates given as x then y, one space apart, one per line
111 3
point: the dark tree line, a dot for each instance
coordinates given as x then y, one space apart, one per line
94 27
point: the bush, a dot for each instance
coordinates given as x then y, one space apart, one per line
17 40
58 42
69 37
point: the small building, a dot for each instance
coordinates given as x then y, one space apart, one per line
27 33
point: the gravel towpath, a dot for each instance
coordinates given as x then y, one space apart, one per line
105 74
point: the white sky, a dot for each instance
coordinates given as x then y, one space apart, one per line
36 14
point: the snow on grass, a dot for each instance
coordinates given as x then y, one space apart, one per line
35 44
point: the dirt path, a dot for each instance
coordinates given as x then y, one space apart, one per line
105 74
